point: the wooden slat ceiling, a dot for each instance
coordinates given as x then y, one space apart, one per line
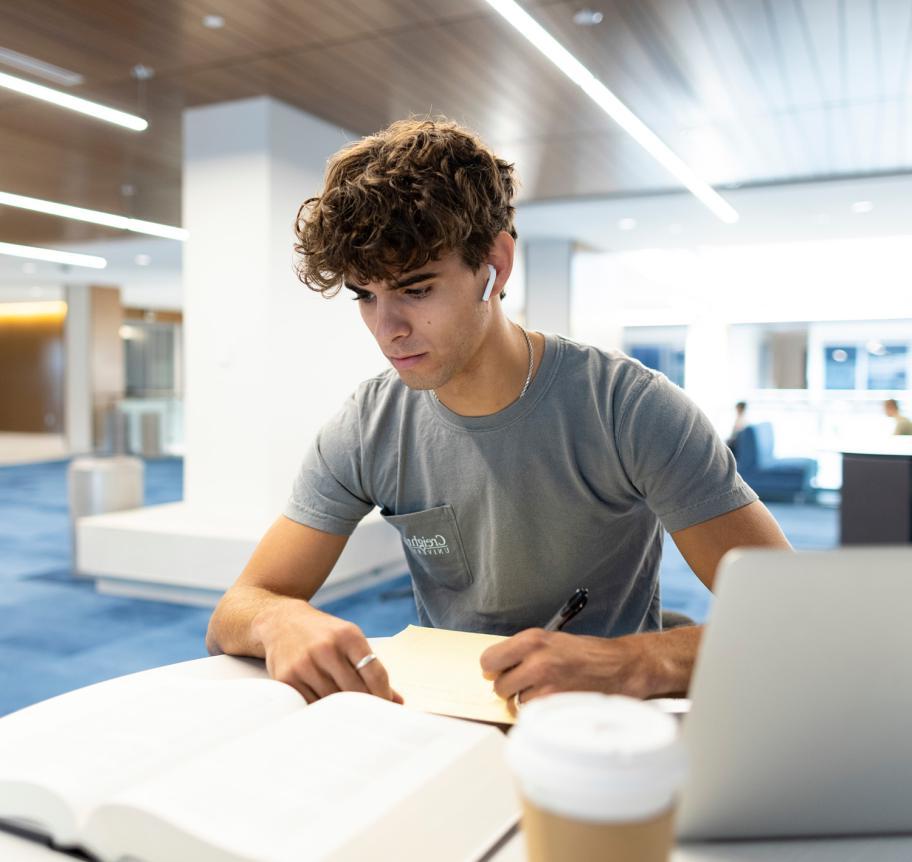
746 91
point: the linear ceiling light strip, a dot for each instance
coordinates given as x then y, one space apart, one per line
40 69
74 103
92 216
614 107
49 254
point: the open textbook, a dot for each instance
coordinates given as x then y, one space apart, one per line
161 768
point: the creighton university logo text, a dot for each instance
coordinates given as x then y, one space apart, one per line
427 546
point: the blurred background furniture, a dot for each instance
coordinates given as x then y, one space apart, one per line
782 479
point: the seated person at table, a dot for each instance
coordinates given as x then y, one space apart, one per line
903 424
517 465
739 426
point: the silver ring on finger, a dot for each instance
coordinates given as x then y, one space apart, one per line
365 661
517 703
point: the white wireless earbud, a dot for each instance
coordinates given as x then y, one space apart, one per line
490 285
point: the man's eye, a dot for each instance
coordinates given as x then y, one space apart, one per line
362 296
418 292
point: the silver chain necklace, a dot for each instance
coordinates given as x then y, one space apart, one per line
528 373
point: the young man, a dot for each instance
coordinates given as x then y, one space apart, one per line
517 466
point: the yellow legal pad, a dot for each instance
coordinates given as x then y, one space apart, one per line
436 670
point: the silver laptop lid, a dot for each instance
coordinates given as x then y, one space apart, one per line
801 722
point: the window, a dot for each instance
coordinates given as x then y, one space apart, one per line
840 361
150 366
661 357
887 365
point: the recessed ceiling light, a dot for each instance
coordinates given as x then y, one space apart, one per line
587 17
142 260
627 223
214 22
29 268
862 206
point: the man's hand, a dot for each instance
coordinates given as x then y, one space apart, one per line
316 653
536 662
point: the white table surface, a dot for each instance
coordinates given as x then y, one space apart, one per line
873 849
870 849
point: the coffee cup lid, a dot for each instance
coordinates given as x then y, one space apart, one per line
596 757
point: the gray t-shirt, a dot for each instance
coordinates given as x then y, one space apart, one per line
502 517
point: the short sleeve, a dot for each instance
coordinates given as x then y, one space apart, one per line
328 492
673 456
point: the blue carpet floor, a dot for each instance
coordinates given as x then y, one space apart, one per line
57 633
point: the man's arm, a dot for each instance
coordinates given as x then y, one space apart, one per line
536 662
267 614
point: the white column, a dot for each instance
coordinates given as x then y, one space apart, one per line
267 360
548 265
78 397
707 373
94 376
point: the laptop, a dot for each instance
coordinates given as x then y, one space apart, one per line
801 715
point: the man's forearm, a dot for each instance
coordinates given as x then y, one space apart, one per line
234 629
668 660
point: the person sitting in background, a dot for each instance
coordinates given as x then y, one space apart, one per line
740 424
903 423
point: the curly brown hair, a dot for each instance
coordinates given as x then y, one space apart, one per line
396 200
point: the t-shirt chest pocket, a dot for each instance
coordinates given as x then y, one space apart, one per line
433 545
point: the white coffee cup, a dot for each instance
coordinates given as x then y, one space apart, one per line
598 775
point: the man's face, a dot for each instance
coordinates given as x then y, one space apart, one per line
890 409
430 323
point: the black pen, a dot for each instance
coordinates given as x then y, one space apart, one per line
571 608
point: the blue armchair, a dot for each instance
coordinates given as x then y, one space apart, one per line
782 479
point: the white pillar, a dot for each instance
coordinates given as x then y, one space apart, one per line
707 372
548 265
267 360
78 399
94 376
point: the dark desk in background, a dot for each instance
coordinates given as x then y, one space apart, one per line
877 494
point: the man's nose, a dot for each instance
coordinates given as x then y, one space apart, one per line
389 322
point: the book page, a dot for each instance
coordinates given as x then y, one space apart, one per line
304 786
82 752
436 670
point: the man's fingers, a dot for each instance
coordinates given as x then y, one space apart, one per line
377 679
337 665
373 674
515 679
321 682
308 693
514 703
508 653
